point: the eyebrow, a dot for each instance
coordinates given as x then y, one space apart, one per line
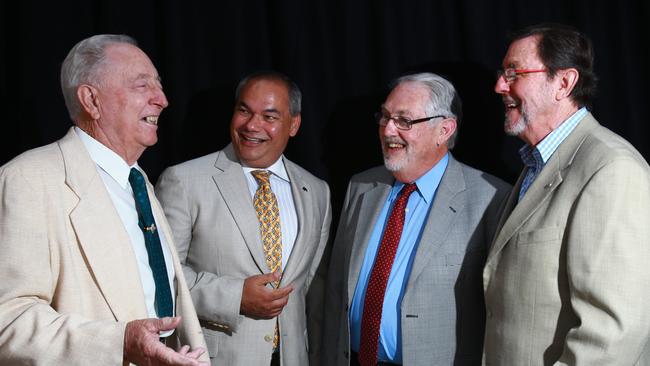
147 76
241 103
400 112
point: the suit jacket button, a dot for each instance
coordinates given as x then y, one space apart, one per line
346 354
268 338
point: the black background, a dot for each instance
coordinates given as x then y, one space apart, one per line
342 53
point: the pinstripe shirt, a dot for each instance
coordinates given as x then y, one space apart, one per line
535 157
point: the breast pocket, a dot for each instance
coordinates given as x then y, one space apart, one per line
547 235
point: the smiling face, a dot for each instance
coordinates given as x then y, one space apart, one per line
261 124
409 154
126 103
529 99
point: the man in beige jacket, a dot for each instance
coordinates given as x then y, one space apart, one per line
80 285
567 279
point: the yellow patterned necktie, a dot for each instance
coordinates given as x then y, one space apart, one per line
268 214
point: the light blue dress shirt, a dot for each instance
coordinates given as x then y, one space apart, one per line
417 210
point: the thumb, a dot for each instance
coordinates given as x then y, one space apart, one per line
168 323
277 275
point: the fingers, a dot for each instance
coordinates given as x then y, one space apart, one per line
263 279
167 323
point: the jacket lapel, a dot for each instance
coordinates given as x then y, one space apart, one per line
372 202
449 199
542 188
229 178
100 233
304 202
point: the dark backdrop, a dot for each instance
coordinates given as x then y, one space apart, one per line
342 53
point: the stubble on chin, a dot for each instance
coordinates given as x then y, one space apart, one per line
394 164
516 128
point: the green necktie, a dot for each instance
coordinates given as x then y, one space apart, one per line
164 306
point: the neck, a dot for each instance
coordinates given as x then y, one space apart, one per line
537 130
97 133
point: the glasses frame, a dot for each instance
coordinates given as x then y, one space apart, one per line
405 124
510 74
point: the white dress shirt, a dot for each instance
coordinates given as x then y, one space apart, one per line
114 172
281 187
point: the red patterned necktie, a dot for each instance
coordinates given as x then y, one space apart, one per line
374 301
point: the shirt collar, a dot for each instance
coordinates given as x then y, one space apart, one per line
276 169
106 159
536 156
428 183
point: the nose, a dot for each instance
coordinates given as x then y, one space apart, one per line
390 129
253 122
160 99
501 86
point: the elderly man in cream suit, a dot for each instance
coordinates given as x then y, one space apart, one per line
567 279
432 312
77 287
209 202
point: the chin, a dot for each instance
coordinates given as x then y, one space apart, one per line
394 165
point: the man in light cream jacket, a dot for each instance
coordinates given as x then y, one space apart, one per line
77 287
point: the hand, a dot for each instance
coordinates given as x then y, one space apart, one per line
261 302
142 344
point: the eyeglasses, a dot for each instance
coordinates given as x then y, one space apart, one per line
510 74
401 122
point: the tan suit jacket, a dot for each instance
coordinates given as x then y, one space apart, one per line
210 210
567 281
69 278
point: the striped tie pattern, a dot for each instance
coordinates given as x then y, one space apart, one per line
268 214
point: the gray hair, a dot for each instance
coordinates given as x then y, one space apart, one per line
443 98
295 96
83 66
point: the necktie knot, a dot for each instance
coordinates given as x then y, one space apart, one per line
408 189
261 176
404 194
136 179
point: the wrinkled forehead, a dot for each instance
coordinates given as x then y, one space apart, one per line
130 61
265 94
522 53
407 98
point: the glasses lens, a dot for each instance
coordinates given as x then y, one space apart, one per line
402 123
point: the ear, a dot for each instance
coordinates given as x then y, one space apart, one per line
295 125
567 81
89 100
447 129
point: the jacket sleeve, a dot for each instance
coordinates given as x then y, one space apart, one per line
607 267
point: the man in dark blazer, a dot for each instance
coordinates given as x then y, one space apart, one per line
430 310
209 203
